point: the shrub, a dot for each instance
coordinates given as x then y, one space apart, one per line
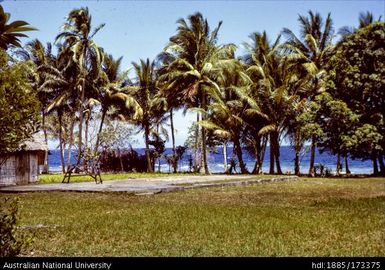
12 240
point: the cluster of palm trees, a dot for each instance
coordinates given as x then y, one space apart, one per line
250 101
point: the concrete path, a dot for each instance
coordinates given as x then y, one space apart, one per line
144 186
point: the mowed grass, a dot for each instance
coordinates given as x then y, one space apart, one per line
307 217
58 177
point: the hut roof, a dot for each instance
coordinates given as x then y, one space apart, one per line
35 143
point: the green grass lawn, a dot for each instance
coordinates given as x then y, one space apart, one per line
308 217
58 178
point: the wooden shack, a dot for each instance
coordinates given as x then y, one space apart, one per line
22 166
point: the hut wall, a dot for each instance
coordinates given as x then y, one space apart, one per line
19 169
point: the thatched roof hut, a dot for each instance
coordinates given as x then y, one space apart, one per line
22 166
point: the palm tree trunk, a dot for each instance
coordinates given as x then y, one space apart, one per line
146 138
225 156
175 164
86 139
347 165
204 146
70 144
104 112
296 162
45 168
196 157
338 164
238 151
277 153
82 98
272 153
312 157
61 142
375 165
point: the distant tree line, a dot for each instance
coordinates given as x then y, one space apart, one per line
309 89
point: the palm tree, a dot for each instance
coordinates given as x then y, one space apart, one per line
195 50
226 111
42 58
364 20
10 33
271 94
87 56
111 92
312 52
146 92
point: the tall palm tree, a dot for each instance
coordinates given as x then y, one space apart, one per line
364 20
78 36
195 51
225 113
111 92
43 58
311 51
11 32
146 92
272 78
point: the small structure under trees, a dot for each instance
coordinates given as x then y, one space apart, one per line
21 167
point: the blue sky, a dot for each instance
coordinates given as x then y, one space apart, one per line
141 29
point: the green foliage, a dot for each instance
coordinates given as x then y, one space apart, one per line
19 104
10 33
12 241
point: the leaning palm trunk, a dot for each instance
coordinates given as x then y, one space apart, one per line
312 157
174 161
70 145
82 98
238 151
104 112
204 144
45 168
260 154
61 143
147 150
196 156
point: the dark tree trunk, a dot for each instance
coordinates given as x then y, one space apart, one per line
148 157
69 153
375 165
82 98
296 162
338 168
277 153
238 151
347 165
104 112
312 157
61 143
272 153
86 139
204 144
174 161
45 167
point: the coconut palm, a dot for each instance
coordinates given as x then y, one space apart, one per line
195 51
78 37
111 92
364 20
224 114
271 94
11 32
311 52
147 94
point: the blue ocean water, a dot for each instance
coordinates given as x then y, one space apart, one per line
215 161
